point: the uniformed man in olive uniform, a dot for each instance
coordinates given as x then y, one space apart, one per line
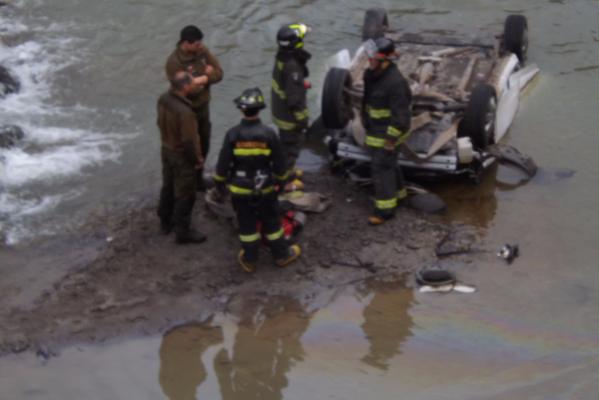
192 56
289 88
181 155
386 115
251 161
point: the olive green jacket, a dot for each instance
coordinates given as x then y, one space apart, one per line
179 127
196 65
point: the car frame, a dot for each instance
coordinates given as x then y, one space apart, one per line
465 96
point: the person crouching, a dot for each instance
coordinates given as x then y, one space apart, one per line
251 162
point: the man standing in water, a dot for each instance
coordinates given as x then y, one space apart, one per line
181 155
192 56
289 88
251 161
386 116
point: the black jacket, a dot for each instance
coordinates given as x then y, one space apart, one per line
386 104
288 94
251 159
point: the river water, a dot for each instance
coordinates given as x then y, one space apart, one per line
90 75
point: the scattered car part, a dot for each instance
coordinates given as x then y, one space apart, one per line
375 24
440 280
509 252
435 277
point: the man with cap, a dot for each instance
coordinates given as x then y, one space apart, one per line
386 116
193 57
181 155
251 162
289 89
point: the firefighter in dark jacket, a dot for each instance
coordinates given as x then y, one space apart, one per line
289 87
386 116
191 55
251 162
181 155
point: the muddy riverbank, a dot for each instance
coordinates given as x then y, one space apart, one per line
131 280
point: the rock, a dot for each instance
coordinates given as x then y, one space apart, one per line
456 242
10 135
429 203
8 84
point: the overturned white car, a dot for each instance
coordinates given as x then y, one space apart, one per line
465 96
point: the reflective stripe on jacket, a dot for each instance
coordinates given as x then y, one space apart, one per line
386 106
251 159
288 93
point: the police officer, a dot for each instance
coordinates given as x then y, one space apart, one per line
289 87
181 155
193 56
251 162
386 117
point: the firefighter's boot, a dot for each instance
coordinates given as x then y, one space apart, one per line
245 265
377 219
293 253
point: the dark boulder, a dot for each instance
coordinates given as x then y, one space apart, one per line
10 135
8 84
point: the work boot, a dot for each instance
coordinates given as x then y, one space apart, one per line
190 237
294 252
376 219
294 185
245 265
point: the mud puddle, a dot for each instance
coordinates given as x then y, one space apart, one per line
370 341
258 347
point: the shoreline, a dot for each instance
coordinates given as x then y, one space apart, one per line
140 282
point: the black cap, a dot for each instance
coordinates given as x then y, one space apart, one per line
191 33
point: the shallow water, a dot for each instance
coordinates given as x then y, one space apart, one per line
91 72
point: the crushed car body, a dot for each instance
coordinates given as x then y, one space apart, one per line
466 94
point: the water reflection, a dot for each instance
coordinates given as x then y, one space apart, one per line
266 347
259 342
477 205
181 367
387 323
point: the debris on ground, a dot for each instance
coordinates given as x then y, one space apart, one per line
509 252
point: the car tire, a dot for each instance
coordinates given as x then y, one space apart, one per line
515 36
478 122
336 103
435 277
375 24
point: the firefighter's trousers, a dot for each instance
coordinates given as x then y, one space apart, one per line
388 180
265 208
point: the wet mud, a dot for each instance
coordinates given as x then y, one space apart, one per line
134 281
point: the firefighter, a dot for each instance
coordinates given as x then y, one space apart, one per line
251 161
191 55
289 88
386 117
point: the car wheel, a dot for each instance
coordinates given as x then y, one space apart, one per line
515 36
478 122
376 23
336 102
